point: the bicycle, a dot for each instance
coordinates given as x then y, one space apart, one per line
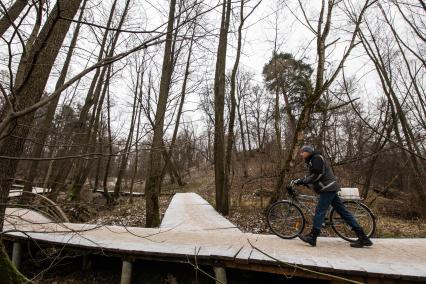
286 219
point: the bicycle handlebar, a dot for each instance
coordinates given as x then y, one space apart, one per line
291 190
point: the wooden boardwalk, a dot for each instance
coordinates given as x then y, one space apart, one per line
18 189
191 229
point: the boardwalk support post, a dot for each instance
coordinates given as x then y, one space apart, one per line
86 264
17 254
220 275
126 272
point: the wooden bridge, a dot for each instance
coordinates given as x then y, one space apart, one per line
192 229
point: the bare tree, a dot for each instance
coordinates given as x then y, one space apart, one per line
39 61
222 202
153 181
233 106
241 105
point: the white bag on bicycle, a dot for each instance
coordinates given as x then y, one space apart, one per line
349 193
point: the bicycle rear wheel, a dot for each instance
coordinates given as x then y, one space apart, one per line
362 214
285 219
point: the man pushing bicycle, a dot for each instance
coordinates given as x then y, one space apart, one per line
322 180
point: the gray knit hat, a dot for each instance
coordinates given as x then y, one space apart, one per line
308 149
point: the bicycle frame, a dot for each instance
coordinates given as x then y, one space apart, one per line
300 200
296 200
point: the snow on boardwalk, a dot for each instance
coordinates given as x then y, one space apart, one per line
188 212
18 189
192 228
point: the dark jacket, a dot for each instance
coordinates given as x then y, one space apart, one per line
321 177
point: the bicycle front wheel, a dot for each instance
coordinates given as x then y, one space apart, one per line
361 213
285 219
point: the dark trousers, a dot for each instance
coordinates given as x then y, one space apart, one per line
331 198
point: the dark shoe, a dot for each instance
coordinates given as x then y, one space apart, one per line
362 241
311 238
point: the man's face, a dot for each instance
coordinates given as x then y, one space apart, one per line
304 154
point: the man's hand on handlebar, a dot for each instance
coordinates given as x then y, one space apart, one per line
296 182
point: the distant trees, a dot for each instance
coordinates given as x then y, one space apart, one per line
291 78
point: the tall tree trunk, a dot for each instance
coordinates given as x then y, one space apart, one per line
47 122
222 202
135 167
11 15
290 116
277 126
247 125
171 175
277 115
22 67
168 154
125 156
99 159
320 140
177 175
170 166
108 164
153 181
230 142
243 142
